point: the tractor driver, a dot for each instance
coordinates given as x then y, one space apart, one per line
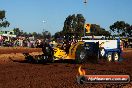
47 49
66 45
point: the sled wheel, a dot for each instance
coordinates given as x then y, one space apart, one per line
109 56
116 57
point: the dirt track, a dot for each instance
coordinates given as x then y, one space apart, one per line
57 75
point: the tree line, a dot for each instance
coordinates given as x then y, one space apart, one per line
3 22
45 34
121 28
74 25
17 31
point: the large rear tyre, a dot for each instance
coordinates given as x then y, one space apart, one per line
80 55
50 60
49 54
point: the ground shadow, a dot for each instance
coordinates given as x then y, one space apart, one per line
28 59
31 59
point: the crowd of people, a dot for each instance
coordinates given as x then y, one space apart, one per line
37 43
20 42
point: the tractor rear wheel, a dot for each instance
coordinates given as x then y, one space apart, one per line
50 59
80 55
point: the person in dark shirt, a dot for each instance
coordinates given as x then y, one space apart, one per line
47 49
66 46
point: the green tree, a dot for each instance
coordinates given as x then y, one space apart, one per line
129 30
120 28
98 31
40 36
57 35
74 24
17 31
34 34
47 34
25 34
3 22
80 23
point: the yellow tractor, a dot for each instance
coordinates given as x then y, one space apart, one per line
69 49
74 52
79 52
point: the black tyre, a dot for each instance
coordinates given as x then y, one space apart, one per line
80 54
50 59
50 56
116 57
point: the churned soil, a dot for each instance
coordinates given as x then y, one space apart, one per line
9 50
61 74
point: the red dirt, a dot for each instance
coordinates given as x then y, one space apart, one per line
58 75
8 50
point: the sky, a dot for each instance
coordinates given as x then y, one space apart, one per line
49 15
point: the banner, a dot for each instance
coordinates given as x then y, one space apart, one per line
87 28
